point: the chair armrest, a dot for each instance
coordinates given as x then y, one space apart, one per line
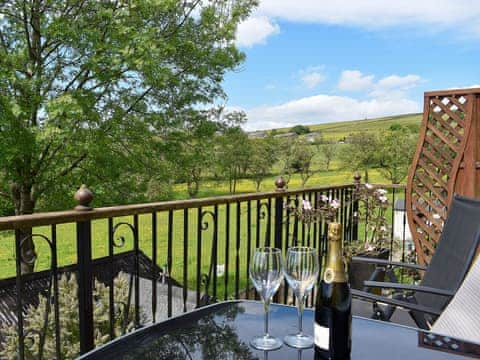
420 288
388 263
394 302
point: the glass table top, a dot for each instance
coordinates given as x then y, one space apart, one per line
224 330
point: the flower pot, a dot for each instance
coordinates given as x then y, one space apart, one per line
358 272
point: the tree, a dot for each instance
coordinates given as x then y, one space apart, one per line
396 149
329 151
233 150
264 153
361 152
194 149
82 80
299 160
300 129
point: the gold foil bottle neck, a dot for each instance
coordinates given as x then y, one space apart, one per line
335 267
334 231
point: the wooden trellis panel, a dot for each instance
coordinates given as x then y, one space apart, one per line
447 161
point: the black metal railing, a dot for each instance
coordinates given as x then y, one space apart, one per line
177 255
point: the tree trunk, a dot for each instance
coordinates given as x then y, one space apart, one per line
24 205
305 176
193 187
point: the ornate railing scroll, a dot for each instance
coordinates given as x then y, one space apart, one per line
445 162
264 214
25 335
119 241
211 277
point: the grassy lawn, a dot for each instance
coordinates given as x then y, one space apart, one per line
66 242
320 178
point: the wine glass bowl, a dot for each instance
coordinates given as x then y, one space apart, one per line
301 272
266 274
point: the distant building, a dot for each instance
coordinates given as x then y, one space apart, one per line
286 135
313 137
257 134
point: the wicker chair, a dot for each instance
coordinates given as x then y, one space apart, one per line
450 263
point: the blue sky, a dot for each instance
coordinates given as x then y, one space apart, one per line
312 61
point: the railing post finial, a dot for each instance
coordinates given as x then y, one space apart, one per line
84 197
357 178
280 184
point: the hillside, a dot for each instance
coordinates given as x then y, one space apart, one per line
339 130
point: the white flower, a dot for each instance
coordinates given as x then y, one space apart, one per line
335 204
382 199
324 198
369 247
369 186
383 228
306 205
381 191
436 216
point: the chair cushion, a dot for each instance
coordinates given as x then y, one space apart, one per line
461 318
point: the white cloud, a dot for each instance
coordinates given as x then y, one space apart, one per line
311 80
325 108
256 30
392 86
312 76
354 80
440 15
395 81
466 87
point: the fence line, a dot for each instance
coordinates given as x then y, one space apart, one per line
177 255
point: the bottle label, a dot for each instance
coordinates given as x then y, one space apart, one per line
322 336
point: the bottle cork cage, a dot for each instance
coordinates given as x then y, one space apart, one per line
439 159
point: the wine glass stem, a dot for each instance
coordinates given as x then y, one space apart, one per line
301 305
266 305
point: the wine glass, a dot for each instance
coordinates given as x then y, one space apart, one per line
301 272
266 273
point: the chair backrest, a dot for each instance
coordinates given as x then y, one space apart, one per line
461 318
455 251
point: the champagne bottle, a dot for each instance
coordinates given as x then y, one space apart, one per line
333 309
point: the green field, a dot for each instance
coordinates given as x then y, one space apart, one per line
66 251
338 130
330 131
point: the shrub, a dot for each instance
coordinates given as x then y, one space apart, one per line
300 129
34 320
